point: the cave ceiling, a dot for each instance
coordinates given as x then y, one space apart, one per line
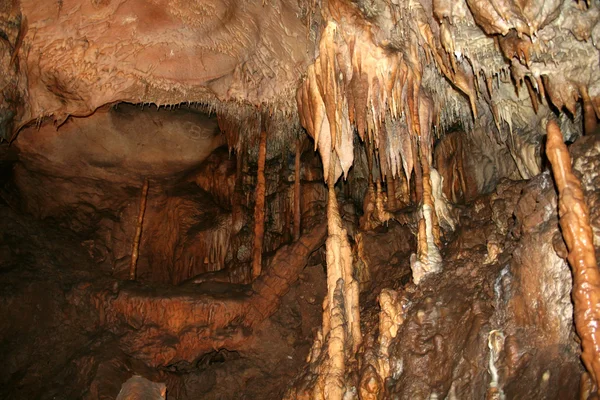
389 70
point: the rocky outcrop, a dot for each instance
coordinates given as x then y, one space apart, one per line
497 321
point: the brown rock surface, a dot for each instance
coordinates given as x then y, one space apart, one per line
441 344
384 93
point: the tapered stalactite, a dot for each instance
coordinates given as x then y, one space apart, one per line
575 225
590 122
237 213
135 249
391 193
297 210
429 202
369 152
428 259
259 208
418 174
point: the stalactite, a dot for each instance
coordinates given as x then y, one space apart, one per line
286 206
429 202
443 208
575 225
391 193
425 116
404 189
237 213
428 259
297 210
259 208
418 172
369 152
590 122
135 249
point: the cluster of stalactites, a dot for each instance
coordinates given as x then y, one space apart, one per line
242 125
383 78
356 84
543 47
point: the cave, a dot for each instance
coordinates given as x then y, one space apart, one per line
299 199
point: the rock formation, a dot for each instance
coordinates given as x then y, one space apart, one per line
325 199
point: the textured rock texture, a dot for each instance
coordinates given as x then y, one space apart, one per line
444 272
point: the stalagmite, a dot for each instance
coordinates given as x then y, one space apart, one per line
575 224
428 259
496 345
368 219
443 208
390 318
259 208
340 336
382 214
297 210
135 250
138 387
342 298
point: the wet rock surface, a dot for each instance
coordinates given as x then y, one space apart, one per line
398 133
497 319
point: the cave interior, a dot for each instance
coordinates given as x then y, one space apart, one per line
299 199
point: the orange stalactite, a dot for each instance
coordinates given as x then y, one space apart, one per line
237 215
259 208
428 199
590 122
297 210
418 172
575 225
135 250
391 193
